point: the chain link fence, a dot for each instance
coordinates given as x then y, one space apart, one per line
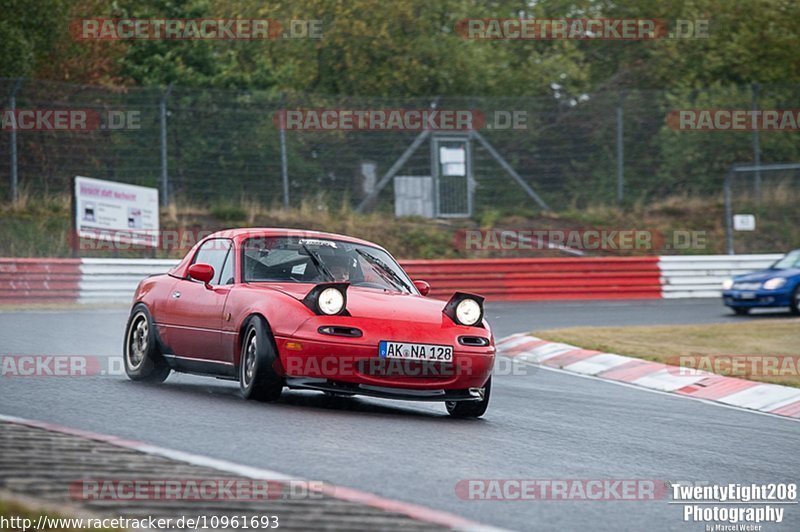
205 147
761 204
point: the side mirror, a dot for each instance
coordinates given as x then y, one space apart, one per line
201 272
423 287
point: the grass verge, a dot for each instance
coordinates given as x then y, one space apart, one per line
40 226
20 517
761 350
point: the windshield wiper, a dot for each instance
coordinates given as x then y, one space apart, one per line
318 262
386 271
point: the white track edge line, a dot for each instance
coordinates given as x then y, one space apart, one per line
414 511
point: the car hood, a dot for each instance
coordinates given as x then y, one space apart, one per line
368 303
763 275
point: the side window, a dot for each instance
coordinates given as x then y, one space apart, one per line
226 274
214 252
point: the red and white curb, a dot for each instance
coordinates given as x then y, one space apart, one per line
767 398
414 511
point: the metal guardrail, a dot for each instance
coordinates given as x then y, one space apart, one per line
114 280
702 275
39 280
107 280
542 278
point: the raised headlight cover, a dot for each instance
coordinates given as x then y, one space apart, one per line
463 315
468 312
324 305
331 301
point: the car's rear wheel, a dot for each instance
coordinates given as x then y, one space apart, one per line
258 379
143 362
471 408
795 301
741 311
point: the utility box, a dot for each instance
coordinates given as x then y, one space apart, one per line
451 168
414 196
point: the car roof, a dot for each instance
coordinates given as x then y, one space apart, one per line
238 235
243 233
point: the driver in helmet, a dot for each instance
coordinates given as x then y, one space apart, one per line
341 267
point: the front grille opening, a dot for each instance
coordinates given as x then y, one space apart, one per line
473 341
393 368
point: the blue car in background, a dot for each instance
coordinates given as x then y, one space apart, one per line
777 286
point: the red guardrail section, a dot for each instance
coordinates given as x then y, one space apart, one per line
539 279
58 280
39 280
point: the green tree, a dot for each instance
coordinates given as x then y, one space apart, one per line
28 34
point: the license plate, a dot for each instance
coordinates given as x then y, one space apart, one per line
747 295
429 352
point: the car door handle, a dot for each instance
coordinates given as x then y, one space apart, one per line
176 295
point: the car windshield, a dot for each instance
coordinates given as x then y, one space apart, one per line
791 260
314 260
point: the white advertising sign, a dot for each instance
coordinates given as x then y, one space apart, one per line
744 222
453 161
107 210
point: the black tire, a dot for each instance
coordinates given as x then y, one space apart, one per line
795 301
741 311
258 378
471 408
143 361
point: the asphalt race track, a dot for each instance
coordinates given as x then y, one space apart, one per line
540 425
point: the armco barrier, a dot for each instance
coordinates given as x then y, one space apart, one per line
702 276
538 279
114 280
39 280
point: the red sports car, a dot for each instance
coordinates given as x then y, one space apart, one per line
275 308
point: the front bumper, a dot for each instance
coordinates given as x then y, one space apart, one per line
385 392
351 361
756 298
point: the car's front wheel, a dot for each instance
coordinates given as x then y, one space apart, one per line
741 311
258 379
795 301
143 362
471 408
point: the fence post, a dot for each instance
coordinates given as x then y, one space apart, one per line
728 211
284 160
13 140
164 167
620 152
756 142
